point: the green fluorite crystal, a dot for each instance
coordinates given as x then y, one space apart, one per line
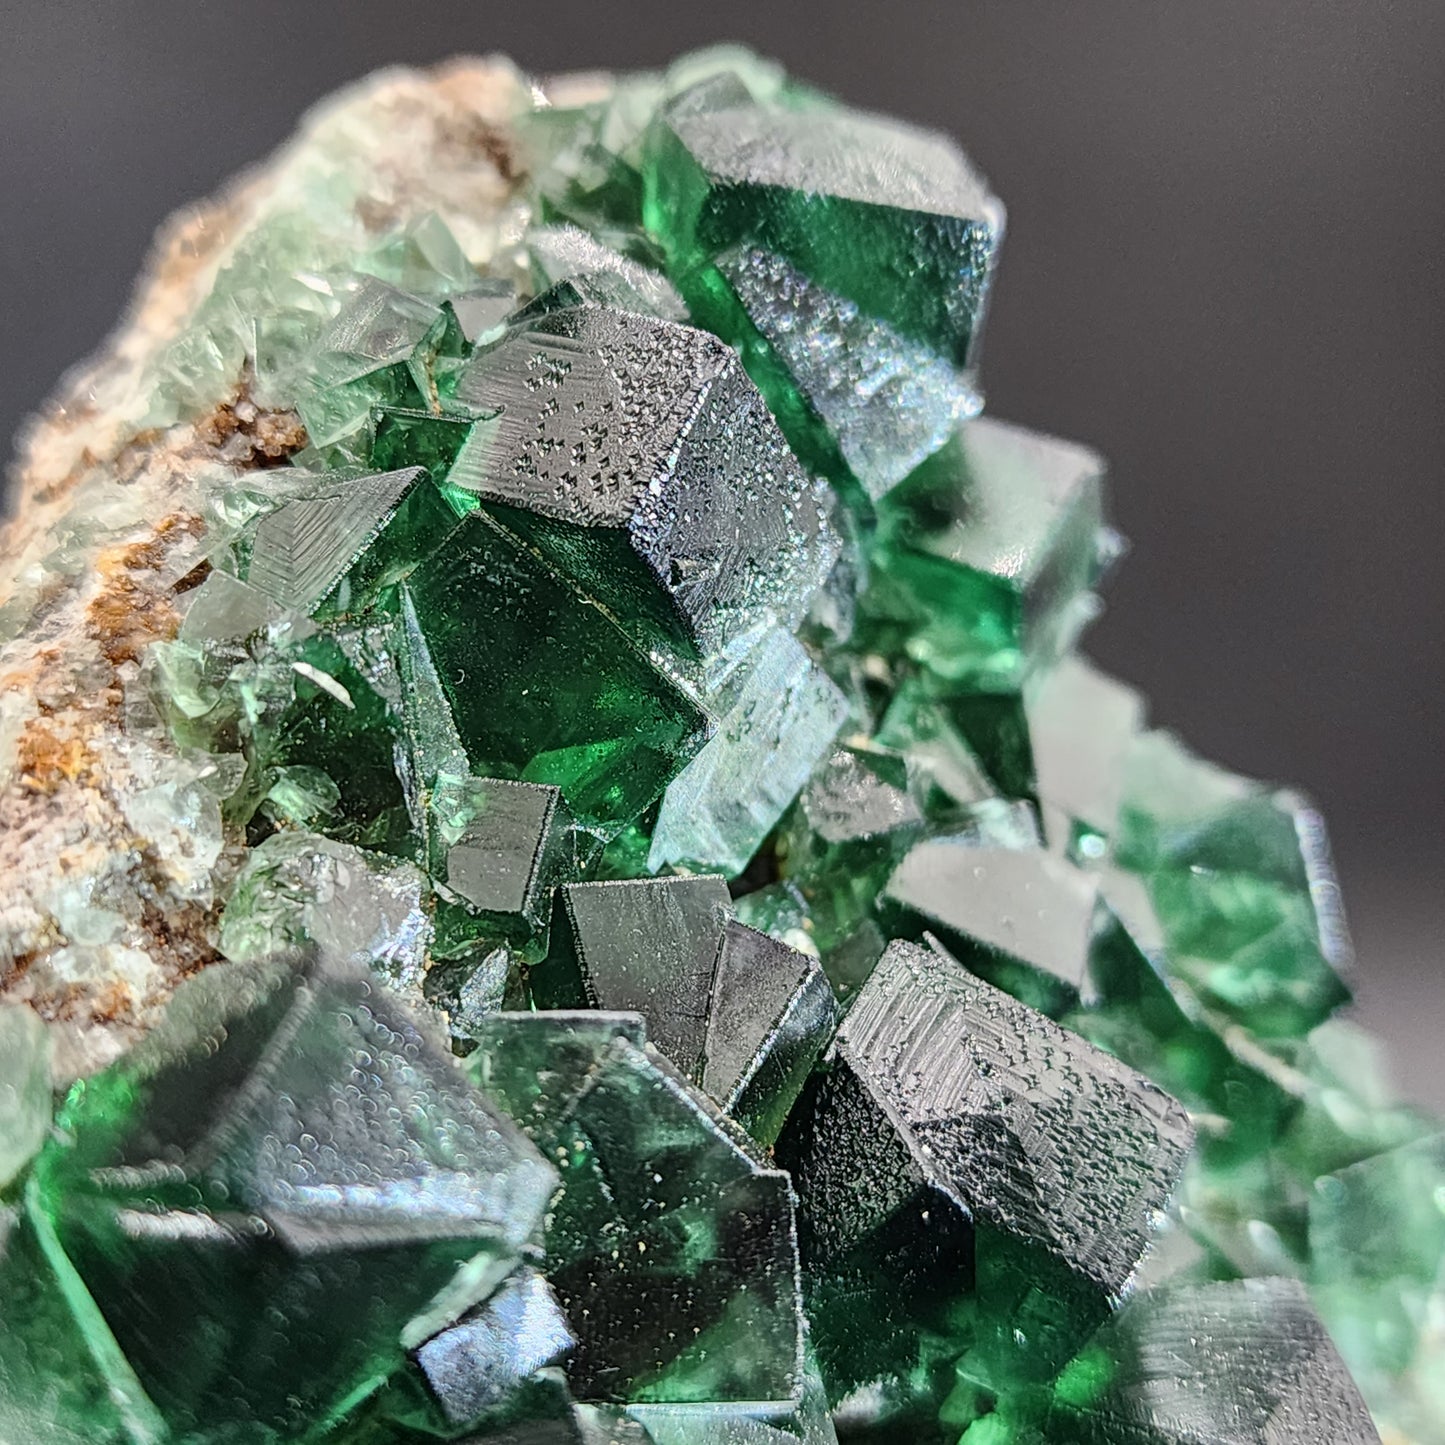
984 558
1229 1362
653 682
265 1195
671 1243
788 221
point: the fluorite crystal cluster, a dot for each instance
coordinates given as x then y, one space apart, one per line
685 949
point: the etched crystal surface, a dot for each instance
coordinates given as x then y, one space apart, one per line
894 218
671 1242
637 457
1234 1362
990 1116
532 584
258 1218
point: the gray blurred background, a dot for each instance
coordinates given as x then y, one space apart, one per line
1225 268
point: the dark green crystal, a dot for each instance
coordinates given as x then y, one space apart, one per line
671 1243
612 730
856 202
649 946
258 1220
952 1118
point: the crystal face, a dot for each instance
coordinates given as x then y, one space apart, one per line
1231 1361
258 1219
687 949
992 1115
783 219
671 1244
637 458
491 610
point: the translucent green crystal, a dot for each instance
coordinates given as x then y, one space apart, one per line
1019 917
477 1367
1377 1251
331 759
650 947
736 1011
1082 727
482 308
956 1124
357 908
63 1380
586 139
772 1013
986 554
359 537
856 202
568 254
1155 1025
497 845
809 1422
257 1220
1244 887
784 717
927 730
385 346
612 730
671 1244
858 400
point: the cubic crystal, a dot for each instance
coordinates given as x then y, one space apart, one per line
357 537
475 1365
637 457
1214 1364
609 733
985 556
1243 884
354 908
649 946
770 1016
273 1185
671 1245
950 1109
1018 917
892 218
784 717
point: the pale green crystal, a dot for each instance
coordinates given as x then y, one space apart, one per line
985 557
1017 916
1377 1263
353 907
784 717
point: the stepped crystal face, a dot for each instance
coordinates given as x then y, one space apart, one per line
627 916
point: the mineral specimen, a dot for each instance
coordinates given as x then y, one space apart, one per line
563 879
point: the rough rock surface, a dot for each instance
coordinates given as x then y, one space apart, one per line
105 905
